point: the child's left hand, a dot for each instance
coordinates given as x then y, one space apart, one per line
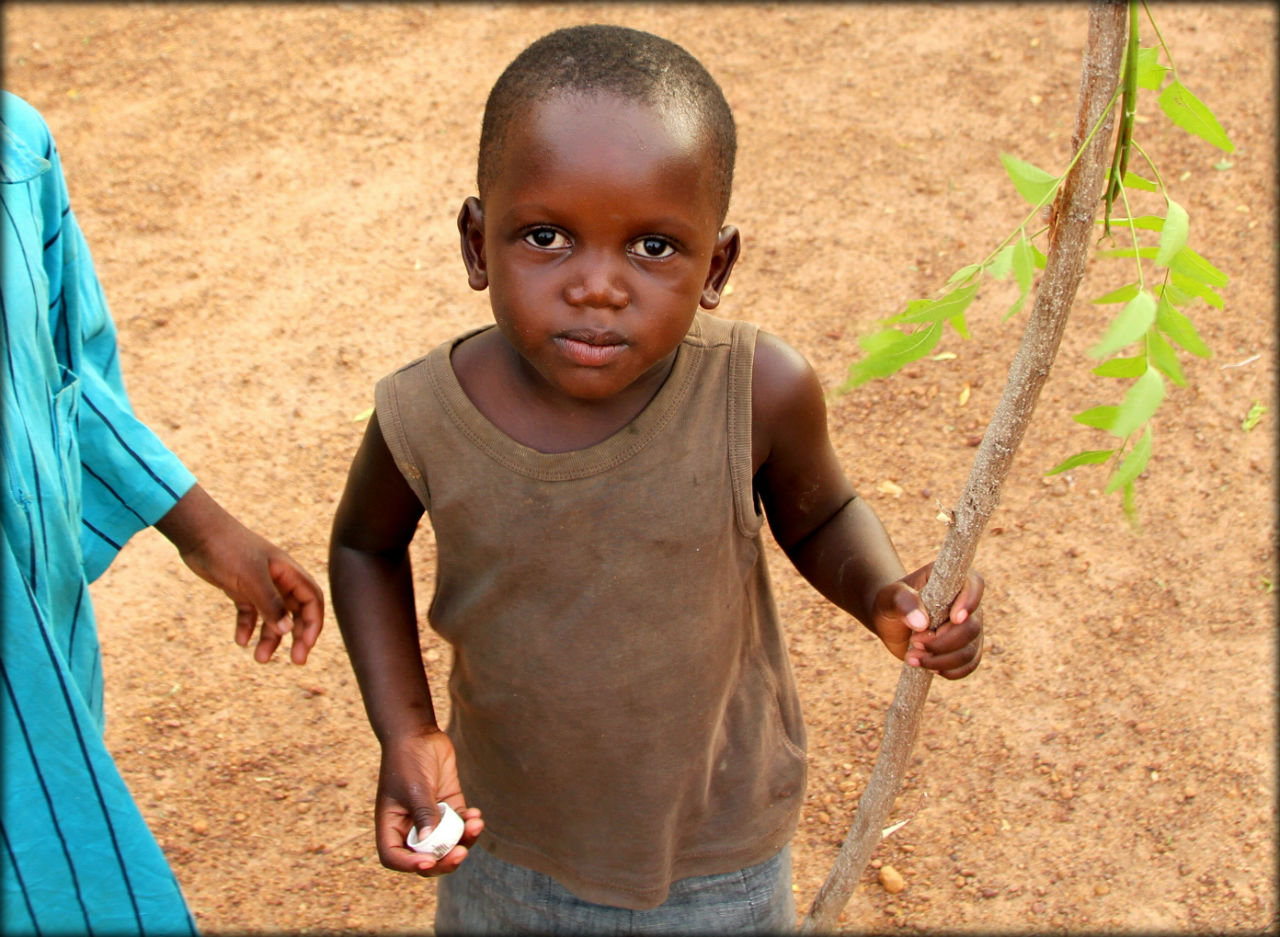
900 621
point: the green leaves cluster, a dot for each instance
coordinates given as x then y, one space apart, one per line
1140 344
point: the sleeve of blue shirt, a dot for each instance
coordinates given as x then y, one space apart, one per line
129 478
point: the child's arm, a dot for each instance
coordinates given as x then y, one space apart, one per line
371 587
832 536
257 575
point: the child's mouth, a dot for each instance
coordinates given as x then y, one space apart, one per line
590 349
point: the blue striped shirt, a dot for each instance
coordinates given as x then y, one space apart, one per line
81 475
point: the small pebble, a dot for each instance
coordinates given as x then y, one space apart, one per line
892 879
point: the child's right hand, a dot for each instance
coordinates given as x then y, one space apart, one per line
417 771
955 649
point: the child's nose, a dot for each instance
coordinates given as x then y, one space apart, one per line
597 283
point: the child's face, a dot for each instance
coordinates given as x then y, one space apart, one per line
597 240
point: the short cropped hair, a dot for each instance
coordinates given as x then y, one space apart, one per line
614 59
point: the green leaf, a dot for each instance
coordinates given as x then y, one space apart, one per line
1092 457
1127 327
1131 507
958 323
1002 263
876 342
362 415
1142 400
1134 181
1194 287
964 274
1255 414
1178 327
914 309
1123 367
1102 418
1039 256
1145 222
1133 464
1033 183
1122 295
1175 295
1024 264
938 310
892 352
1022 260
1190 264
1173 238
1016 306
1150 72
1162 355
1188 112
1147 252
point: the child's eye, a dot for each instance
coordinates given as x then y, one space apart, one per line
653 247
546 238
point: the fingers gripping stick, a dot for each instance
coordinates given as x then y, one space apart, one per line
442 837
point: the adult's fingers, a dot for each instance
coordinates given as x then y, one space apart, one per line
246 620
305 602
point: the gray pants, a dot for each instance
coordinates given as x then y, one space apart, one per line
488 896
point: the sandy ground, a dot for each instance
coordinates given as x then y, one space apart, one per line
270 194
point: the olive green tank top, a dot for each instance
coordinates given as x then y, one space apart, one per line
623 707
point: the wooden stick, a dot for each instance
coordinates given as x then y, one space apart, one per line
1071 232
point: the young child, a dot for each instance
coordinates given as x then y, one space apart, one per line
597 467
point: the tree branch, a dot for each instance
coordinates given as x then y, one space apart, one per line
1071 230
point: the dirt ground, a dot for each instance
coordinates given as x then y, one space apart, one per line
270 194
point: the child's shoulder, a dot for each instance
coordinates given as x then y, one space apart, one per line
780 374
787 399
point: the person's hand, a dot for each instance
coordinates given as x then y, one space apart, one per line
269 585
265 583
261 579
418 771
899 618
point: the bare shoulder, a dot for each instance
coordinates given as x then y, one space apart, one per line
786 396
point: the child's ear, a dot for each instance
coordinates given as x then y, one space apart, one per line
471 230
723 257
